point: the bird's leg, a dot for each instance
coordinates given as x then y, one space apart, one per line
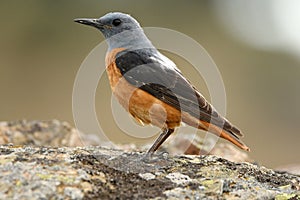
161 138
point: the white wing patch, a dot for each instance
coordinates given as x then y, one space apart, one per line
165 61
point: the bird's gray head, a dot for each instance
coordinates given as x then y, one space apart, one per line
119 30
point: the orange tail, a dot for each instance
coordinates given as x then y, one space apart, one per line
232 137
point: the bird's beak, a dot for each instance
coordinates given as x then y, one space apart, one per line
90 22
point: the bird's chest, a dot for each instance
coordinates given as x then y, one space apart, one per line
131 98
144 107
120 87
128 96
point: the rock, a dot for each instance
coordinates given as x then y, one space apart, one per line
194 145
60 134
42 133
102 173
291 168
65 169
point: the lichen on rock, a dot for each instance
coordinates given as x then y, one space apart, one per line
95 172
49 160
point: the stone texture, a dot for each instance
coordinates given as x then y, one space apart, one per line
42 133
100 173
49 160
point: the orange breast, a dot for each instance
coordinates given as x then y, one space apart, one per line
144 107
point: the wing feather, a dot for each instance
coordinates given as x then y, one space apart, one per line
152 74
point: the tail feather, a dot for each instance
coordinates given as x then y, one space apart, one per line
231 135
218 126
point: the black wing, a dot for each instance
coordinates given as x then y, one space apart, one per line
166 83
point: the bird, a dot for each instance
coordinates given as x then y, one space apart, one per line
151 87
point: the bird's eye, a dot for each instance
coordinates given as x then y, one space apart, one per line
116 22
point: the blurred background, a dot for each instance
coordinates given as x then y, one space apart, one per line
255 44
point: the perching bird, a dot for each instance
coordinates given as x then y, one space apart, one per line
150 86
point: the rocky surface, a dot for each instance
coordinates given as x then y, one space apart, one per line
42 133
34 165
99 173
55 133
